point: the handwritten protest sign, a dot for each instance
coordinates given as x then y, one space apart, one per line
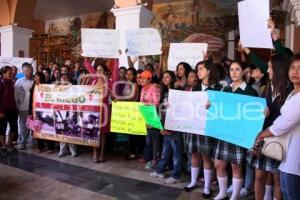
151 117
68 113
16 61
254 30
126 118
190 53
186 111
234 118
103 43
143 42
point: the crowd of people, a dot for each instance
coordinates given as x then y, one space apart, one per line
239 172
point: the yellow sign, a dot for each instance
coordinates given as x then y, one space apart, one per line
126 118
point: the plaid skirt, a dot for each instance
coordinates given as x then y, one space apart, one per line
230 152
263 163
201 144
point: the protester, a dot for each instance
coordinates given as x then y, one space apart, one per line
100 80
22 96
288 122
150 95
40 78
202 147
230 153
8 110
182 71
172 145
65 79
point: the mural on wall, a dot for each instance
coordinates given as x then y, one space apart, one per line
69 28
70 25
180 19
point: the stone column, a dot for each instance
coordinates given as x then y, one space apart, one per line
130 18
15 41
231 45
293 22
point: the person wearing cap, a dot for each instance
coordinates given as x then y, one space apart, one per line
150 95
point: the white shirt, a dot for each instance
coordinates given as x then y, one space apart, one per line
22 93
289 123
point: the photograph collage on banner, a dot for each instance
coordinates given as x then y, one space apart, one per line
69 113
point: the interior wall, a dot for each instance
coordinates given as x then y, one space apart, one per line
297 40
38 26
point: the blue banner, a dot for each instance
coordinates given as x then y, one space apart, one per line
235 118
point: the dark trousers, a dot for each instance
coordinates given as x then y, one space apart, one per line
136 144
43 143
153 144
11 118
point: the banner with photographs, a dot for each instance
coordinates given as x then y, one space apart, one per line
69 113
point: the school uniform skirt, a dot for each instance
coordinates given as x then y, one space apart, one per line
263 163
201 144
230 153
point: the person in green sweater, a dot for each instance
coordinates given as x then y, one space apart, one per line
279 49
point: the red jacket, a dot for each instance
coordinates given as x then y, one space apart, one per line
7 98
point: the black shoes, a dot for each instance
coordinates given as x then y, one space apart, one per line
207 196
189 189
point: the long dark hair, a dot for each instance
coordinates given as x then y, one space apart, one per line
243 65
134 73
42 77
280 77
187 67
164 88
214 75
5 69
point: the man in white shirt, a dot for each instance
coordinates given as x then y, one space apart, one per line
22 95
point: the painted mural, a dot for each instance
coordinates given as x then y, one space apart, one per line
179 20
184 19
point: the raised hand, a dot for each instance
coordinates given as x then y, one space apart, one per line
271 25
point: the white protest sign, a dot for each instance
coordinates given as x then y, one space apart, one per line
186 111
254 30
143 42
102 43
190 53
16 61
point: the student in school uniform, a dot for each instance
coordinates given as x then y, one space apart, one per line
230 153
202 147
276 93
288 123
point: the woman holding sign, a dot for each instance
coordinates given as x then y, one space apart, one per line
203 146
230 153
98 76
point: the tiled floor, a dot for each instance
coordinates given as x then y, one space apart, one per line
29 175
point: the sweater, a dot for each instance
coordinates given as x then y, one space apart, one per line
7 99
260 63
22 93
150 95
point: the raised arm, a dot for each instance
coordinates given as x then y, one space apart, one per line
89 66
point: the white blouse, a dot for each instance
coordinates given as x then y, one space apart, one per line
289 123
